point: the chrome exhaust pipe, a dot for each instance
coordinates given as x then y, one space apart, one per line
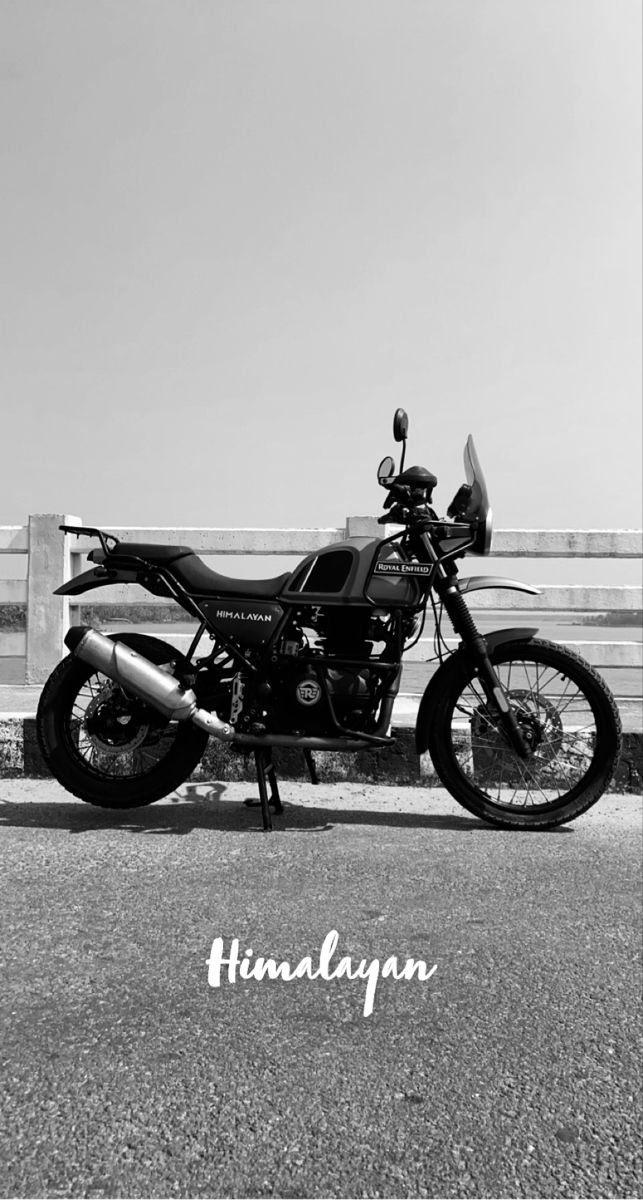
142 677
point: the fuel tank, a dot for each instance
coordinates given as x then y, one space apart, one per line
342 574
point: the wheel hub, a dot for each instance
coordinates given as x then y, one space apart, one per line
539 721
112 723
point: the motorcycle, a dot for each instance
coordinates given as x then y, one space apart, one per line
522 732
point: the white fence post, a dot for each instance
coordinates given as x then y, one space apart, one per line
47 615
364 527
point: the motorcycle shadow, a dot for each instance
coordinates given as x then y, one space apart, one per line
205 807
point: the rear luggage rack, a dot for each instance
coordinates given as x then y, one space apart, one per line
104 538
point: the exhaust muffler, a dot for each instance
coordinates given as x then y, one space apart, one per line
142 677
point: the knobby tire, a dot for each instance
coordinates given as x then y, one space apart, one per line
456 766
59 740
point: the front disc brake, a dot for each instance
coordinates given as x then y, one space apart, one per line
540 725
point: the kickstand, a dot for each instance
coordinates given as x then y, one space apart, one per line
312 769
267 776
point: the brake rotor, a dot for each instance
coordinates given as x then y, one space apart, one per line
539 721
110 725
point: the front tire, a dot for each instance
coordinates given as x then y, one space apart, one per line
566 713
106 746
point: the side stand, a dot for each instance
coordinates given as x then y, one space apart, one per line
267 778
312 770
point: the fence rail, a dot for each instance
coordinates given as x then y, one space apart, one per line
53 557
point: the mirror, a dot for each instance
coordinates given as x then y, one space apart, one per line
400 425
386 470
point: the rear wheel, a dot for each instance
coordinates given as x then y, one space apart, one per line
567 717
106 746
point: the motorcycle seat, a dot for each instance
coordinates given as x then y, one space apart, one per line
150 551
199 580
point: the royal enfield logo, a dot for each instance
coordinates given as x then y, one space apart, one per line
308 691
402 568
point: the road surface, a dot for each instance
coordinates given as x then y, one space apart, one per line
511 1071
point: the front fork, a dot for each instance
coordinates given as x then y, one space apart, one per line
464 625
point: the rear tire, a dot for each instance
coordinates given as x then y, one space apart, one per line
564 708
107 747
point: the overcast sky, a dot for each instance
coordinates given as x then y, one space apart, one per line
237 234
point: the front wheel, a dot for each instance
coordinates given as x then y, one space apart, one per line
567 717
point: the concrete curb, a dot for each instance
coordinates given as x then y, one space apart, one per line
398 764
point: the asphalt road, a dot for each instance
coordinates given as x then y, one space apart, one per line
511 1071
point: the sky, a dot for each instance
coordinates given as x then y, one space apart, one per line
236 235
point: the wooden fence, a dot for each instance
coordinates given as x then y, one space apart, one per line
53 557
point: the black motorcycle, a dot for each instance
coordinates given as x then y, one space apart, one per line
522 732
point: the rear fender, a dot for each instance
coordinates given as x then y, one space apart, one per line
97 577
154 649
146 576
454 663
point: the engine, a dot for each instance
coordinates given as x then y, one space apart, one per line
314 696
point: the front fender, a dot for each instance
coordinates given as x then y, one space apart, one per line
455 663
474 583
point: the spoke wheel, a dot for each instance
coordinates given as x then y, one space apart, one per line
567 718
105 745
115 734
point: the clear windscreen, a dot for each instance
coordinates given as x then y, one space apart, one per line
479 503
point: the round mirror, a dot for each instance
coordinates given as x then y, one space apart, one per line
400 425
386 470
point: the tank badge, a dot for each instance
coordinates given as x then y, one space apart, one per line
308 691
402 568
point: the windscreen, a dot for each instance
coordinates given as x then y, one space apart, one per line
479 502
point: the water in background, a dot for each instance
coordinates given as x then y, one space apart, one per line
623 681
